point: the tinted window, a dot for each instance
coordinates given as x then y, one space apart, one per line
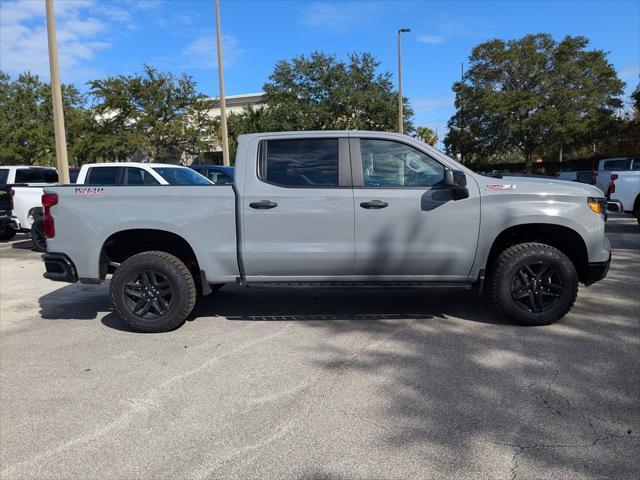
392 164
138 176
300 163
636 164
4 174
103 176
36 175
181 176
216 176
618 164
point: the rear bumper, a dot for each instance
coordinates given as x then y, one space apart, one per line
597 271
59 268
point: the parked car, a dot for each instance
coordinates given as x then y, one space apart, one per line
8 227
27 194
582 176
27 174
624 192
218 174
339 208
608 166
131 173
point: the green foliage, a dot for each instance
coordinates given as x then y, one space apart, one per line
319 92
154 115
427 135
532 95
26 121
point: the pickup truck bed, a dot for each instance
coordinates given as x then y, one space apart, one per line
340 208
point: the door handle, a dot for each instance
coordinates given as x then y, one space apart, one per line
374 204
263 205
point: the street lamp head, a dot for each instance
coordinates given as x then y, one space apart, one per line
404 30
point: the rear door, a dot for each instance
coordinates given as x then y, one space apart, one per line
298 216
407 223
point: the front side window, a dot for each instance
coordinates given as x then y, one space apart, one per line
181 176
103 176
138 176
300 163
387 163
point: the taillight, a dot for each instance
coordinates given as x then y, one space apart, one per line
48 201
612 185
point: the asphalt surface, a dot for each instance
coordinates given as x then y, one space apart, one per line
319 383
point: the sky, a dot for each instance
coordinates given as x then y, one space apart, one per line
97 38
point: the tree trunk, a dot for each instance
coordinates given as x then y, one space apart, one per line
560 155
529 162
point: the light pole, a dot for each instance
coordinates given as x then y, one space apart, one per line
400 113
56 97
223 106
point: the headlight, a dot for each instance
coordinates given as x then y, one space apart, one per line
597 204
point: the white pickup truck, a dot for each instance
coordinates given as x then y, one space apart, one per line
624 192
27 183
331 208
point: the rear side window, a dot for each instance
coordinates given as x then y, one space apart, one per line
138 176
4 175
299 163
103 176
36 175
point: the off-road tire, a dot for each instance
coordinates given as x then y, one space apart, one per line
506 267
7 233
181 284
38 238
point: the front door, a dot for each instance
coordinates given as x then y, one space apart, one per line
298 219
407 222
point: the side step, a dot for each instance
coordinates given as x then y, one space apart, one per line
466 286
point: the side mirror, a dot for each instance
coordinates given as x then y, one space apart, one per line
457 182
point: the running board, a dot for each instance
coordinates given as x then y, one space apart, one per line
466 286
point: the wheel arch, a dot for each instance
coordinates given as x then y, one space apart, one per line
123 244
564 238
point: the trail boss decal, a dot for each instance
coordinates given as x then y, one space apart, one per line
89 190
500 186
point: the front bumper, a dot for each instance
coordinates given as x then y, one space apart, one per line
597 271
59 268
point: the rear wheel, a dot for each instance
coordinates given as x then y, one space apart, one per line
533 283
37 235
153 292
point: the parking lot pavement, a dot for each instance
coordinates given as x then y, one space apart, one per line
319 383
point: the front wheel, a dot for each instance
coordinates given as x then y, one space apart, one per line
153 292
533 283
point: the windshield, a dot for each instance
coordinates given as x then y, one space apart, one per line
181 176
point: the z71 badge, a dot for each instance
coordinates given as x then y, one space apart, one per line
500 186
89 190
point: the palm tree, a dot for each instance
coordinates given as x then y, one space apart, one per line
427 135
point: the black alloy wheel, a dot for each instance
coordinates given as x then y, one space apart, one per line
536 287
148 295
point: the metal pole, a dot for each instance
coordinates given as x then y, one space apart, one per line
400 102
223 106
56 97
461 115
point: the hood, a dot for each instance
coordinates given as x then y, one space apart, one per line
540 185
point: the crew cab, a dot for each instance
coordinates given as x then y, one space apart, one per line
331 208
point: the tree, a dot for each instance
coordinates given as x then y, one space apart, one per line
635 98
26 121
154 115
319 92
427 135
530 95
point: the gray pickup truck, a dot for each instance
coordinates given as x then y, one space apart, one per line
331 208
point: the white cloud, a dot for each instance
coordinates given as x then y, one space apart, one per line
83 28
202 53
431 39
